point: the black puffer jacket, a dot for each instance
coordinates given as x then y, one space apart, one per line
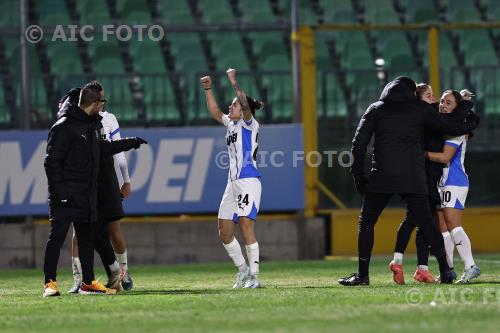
398 122
109 201
433 170
72 160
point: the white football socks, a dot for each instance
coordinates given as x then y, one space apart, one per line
114 267
76 267
464 248
398 258
233 249
122 259
253 257
449 246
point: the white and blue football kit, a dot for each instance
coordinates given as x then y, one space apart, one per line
243 190
111 132
454 183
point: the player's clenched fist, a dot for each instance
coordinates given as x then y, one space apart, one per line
231 74
206 81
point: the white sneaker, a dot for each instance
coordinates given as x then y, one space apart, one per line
127 283
252 282
115 280
241 279
76 286
50 289
469 274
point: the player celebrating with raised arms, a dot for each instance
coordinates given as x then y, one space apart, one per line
241 199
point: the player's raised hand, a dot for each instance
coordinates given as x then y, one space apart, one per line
231 74
206 81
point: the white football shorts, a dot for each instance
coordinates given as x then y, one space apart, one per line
241 198
453 196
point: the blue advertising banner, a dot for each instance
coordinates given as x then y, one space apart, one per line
181 171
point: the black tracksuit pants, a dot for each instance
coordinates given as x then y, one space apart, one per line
90 236
404 234
418 212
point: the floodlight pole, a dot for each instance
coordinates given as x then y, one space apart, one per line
25 69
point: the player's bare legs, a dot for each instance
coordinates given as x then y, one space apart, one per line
116 237
247 230
120 248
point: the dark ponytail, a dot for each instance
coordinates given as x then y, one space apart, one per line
255 105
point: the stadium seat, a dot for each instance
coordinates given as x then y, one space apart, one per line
340 11
9 13
229 51
52 12
377 11
394 46
267 44
279 88
160 99
93 13
276 62
195 65
65 59
109 66
306 14
216 11
253 13
333 102
39 97
186 45
106 57
147 57
462 11
477 48
133 11
175 12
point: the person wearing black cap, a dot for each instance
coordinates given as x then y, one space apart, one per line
397 122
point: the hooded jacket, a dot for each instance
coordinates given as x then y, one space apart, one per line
72 163
109 200
398 122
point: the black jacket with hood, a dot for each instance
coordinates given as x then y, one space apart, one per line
72 161
398 122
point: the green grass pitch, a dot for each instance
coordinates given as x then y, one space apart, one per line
301 296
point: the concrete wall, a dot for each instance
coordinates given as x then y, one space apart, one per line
23 245
482 225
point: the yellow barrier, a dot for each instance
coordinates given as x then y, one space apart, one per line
481 224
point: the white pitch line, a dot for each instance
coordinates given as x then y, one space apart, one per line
488 261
